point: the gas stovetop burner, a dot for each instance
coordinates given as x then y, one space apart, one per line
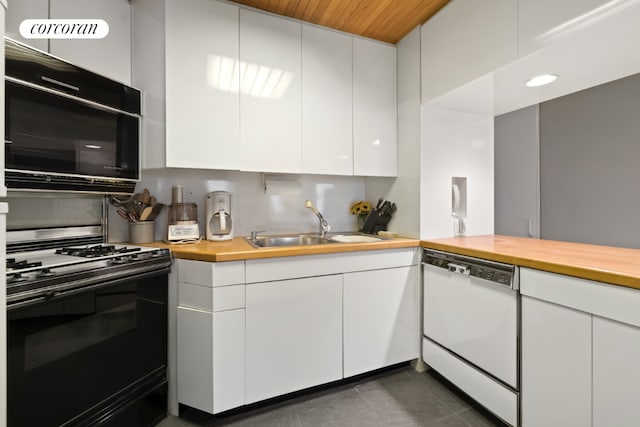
95 251
16 278
12 264
36 274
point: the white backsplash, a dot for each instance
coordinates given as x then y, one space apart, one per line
253 208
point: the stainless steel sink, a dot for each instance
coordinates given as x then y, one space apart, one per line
289 240
274 241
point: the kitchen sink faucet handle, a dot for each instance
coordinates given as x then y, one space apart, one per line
254 234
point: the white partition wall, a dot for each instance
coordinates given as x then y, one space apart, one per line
456 133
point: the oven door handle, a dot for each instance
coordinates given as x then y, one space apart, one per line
46 295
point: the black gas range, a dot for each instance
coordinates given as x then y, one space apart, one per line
87 335
46 273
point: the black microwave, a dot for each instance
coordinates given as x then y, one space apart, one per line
66 128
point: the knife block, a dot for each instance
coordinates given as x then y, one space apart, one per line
375 223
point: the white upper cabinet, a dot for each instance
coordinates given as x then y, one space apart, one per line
465 40
374 109
202 84
27 9
538 28
270 93
110 56
327 120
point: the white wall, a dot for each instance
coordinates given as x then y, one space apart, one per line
252 208
405 189
455 144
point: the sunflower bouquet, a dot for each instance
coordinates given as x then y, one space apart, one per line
361 209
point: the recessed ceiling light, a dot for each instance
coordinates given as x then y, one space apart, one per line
541 80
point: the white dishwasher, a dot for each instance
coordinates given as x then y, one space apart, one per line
471 328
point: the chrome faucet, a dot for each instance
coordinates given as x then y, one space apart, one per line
324 225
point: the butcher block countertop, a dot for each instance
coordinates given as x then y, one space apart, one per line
238 249
619 266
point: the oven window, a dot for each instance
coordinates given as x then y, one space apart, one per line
50 133
46 346
67 355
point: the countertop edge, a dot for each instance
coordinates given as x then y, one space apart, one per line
575 270
240 250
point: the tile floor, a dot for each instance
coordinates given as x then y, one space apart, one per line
397 397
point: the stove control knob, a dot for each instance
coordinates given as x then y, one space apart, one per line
45 272
118 260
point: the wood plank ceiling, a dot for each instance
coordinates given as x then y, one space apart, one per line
384 20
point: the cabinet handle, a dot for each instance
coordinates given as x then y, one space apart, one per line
59 83
532 232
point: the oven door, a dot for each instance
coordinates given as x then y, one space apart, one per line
49 133
73 359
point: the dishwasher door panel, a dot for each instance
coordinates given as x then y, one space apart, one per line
473 318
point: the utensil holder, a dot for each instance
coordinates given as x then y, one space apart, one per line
142 231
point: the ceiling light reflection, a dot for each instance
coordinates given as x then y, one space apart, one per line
592 16
230 75
541 80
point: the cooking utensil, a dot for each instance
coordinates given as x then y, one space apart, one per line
127 215
144 215
155 211
123 214
146 196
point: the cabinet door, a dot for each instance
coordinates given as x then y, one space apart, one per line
228 359
555 365
538 28
294 335
327 121
110 56
374 109
195 358
26 9
381 319
270 87
211 359
616 377
453 54
202 82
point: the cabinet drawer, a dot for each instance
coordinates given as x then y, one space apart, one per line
210 274
269 269
211 299
603 299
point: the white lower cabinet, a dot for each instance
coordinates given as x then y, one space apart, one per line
381 318
252 330
210 335
580 350
616 377
556 365
294 335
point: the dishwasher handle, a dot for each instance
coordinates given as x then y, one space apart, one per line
459 268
